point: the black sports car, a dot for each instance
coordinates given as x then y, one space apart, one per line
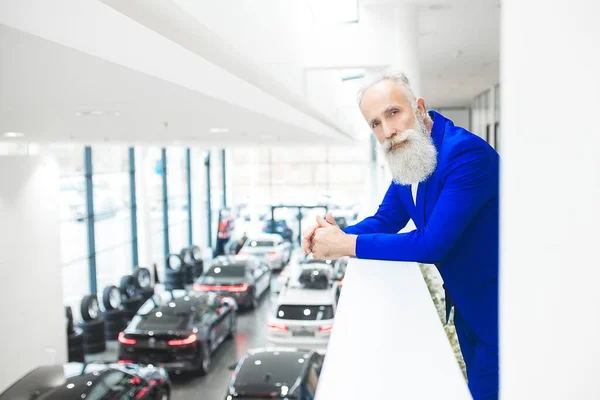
178 330
245 278
96 381
284 373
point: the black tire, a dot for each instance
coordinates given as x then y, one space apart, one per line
111 298
112 334
113 316
128 286
93 331
94 348
89 308
69 316
147 293
174 280
77 355
198 269
133 304
143 278
204 359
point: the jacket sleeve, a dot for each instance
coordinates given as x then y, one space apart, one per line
391 216
471 180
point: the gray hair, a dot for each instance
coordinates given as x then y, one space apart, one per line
398 77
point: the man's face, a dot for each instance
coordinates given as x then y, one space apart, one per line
405 140
387 110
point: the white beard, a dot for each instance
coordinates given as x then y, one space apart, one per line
416 159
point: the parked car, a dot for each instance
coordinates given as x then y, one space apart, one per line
281 228
178 331
95 381
244 278
278 373
303 317
269 247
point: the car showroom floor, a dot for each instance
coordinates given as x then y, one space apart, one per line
252 333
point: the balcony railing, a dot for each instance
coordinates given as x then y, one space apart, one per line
388 341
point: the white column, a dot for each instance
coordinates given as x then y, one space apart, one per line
550 200
33 318
199 223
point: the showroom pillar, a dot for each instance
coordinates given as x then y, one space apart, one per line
33 317
188 171
133 210
144 170
550 213
395 28
224 177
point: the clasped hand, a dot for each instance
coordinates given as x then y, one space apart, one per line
326 241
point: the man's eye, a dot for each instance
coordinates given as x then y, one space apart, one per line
394 112
374 125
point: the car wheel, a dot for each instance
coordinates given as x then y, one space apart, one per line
142 277
128 285
89 308
111 298
233 326
205 360
163 394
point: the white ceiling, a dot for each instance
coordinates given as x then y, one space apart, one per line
151 64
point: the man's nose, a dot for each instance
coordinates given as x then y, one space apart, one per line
389 131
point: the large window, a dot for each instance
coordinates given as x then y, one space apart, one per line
177 195
154 183
73 227
112 214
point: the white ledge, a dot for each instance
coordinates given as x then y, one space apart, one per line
388 341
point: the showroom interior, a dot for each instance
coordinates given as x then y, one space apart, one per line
147 145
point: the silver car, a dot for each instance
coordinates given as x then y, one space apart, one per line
269 247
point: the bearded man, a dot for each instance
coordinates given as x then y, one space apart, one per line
446 180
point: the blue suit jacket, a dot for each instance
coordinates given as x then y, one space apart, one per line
456 216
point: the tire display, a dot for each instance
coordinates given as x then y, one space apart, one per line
111 298
128 285
94 339
143 278
175 273
89 307
131 306
75 346
114 323
69 316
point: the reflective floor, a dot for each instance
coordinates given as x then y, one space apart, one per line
252 333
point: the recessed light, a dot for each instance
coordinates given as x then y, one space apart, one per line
219 130
14 134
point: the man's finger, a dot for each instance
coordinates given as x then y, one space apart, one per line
329 218
322 223
309 232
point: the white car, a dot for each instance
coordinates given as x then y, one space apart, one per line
270 247
303 318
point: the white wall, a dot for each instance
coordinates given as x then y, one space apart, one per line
33 318
550 200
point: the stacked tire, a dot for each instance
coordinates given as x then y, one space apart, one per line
175 278
144 283
75 339
187 268
193 256
94 339
114 318
132 300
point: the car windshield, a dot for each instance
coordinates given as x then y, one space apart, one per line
161 321
261 243
305 313
230 271
283 369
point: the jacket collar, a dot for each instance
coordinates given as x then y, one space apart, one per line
438 129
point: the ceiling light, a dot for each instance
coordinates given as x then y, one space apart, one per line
14 134
334 11
219 130
97 112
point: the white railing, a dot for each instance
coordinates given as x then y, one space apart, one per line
388 341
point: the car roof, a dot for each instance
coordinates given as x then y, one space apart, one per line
66 382
270 370
264 236
180 303
306 297
231 260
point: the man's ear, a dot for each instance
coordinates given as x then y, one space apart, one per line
421 107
